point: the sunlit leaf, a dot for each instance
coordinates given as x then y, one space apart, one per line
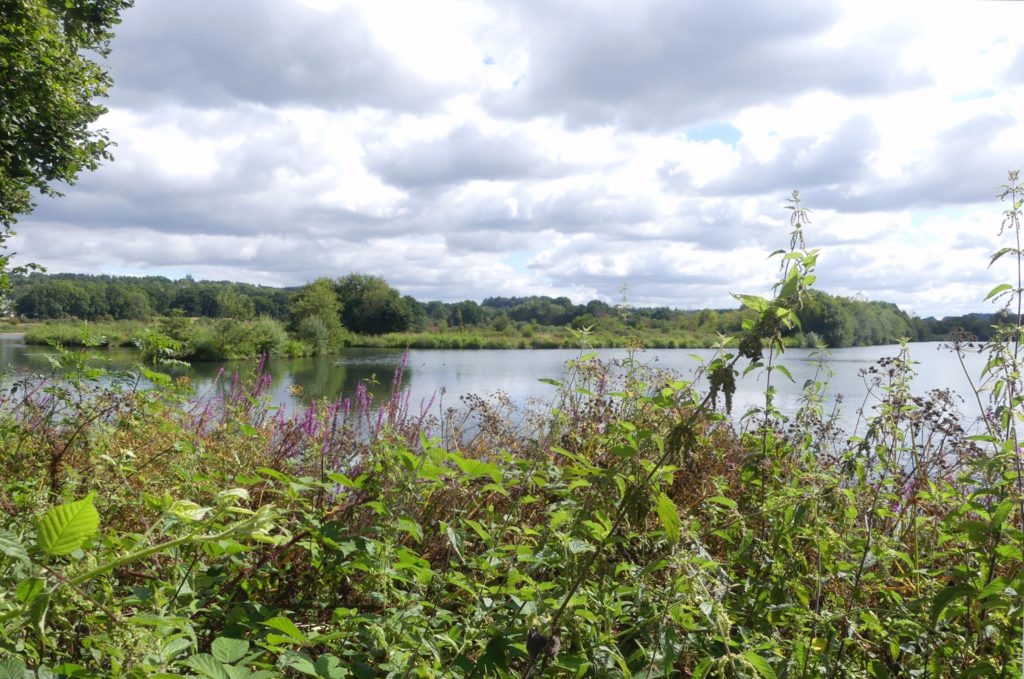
207 666
229 650
998 290
65 528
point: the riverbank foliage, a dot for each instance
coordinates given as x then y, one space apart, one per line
357 310
628 528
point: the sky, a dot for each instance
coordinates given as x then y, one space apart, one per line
589 149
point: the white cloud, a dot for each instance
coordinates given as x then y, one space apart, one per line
466 149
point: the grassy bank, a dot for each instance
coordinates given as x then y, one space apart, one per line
81 333
220 339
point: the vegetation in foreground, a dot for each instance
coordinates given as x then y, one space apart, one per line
628 531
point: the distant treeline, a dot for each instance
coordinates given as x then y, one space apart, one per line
367 305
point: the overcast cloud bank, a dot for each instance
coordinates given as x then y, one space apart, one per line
473 149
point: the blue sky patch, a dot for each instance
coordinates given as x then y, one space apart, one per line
721 131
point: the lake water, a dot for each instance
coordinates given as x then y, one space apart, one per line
435 379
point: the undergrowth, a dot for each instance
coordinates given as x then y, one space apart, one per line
628 529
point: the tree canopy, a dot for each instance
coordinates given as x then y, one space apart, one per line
50 80
370 306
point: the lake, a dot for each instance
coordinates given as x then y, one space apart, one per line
436 379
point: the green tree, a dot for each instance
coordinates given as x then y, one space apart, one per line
49 83
232 303
370 306
316 316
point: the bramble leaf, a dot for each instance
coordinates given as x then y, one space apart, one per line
207 666
65 528
229 650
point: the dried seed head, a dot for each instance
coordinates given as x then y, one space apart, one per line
537 645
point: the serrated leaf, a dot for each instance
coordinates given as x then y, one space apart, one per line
946 596
282 624
65 528
228 650
579 546
980 670
759 664
233 495
997 290
238 672
207 666
28 589
188 510
724 501
174 647
11 546
475 469
300 662
329 667
12 668
752 302
669 516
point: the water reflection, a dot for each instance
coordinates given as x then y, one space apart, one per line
295 382
304 380
436 379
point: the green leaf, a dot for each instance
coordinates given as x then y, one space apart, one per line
11 546
724 501
759 664
669 516
282 624
65 528
997 290
238 672
229 650
329 667
37 612
702 668
943 598
28 589
174 647
752 302
980 670
409 526
299 662
475 469
207 666
12 668
999 253
785 371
